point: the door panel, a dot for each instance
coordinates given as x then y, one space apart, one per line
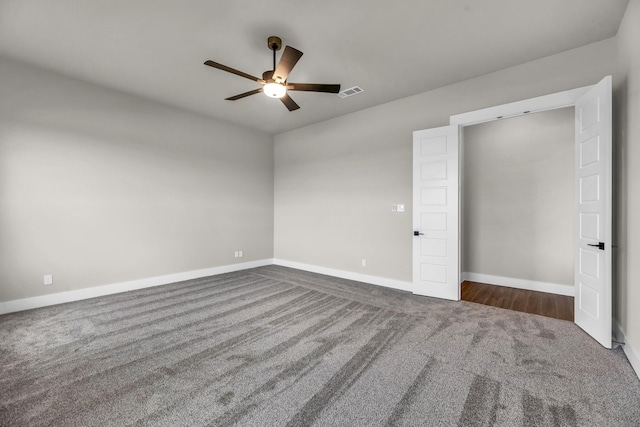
436 209
593 212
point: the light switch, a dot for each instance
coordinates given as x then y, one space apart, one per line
400 208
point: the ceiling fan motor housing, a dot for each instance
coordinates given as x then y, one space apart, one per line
274 43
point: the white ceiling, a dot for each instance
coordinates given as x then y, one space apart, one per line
156 48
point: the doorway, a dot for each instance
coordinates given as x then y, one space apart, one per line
436 213
517 195
517 216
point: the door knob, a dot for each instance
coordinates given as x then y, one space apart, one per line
417 233
600 245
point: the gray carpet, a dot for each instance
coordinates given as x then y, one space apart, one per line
279 347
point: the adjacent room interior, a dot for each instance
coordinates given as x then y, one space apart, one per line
170 255
517 209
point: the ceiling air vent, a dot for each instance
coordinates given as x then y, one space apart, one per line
350 92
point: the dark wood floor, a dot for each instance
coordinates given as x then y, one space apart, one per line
549 305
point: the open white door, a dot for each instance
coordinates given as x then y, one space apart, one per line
435 213
593 187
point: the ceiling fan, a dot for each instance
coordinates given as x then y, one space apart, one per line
274 81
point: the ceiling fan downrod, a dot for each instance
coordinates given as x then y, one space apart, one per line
275 44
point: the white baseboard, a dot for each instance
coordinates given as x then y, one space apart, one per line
349 275
530 285
97 291
634 358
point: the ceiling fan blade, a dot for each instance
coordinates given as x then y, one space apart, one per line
314 87
289 103
288 60
233 71
243 95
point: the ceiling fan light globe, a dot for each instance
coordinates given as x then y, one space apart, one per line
274 90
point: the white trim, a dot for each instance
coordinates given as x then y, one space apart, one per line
634 358
530 285
97 291
343 274
567 98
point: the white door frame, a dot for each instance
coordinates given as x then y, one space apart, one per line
553 101
542 103
515 109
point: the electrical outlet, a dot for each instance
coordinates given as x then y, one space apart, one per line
239 254
236 254
48 279
400 208
394 208
364 262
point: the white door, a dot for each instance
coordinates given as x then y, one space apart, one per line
435 213
593 188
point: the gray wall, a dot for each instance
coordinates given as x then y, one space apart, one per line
335 181
518 197
627 157
99 187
